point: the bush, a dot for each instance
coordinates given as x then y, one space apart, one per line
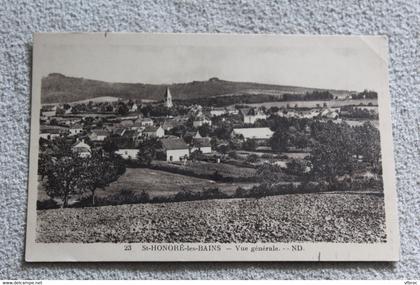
241 193
125 196
46 204
233 154
267 156
252 158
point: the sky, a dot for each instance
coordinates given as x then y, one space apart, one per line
331 62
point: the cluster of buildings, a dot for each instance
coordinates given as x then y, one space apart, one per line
91 130
125 132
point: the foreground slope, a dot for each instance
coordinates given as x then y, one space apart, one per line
287 218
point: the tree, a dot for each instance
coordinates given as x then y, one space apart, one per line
122 109
332 155
43 164
204 130
147 151
197 155
269 174
279 141
99 172
298 167
109 145
65 178
249 144
252 158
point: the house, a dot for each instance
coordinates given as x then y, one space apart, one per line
98 135
70 121
68 111
154 132
201 120
202 144
251 115
75 129
328 113
131 136
310 114
175 149
143 122
118 131
218 112
48 110
126 123
169 125
132 107
253 133
127 153
81 148
51 133
197 135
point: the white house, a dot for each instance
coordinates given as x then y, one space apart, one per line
328 113
218 112
251 115
201 120
71 121
75 129
143 122
81 148
48 110
254 133
154 132
175 148
128 153
126 123
133 108
98 135
50 134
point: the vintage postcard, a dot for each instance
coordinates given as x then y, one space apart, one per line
200 147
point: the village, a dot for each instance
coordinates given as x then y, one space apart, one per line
228 148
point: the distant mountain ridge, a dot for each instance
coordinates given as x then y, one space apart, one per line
58 88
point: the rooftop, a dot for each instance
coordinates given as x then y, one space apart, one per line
173 143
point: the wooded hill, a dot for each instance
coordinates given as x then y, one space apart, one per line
58 88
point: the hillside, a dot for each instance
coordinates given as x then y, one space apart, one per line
58 88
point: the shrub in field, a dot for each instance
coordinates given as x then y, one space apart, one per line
267 156
298 167
46 204
184 195
241 193
144 197
125 196
375 185
233 154
252 158
207 194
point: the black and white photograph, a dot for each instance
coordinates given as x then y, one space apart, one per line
215 147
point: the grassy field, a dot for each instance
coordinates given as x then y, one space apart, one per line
288 218
207 169
162 183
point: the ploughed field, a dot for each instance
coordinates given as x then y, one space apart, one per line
287 218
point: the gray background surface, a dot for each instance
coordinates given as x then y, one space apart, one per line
399 20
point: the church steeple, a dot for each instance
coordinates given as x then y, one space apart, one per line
168 98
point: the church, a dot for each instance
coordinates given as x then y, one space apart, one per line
168 99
